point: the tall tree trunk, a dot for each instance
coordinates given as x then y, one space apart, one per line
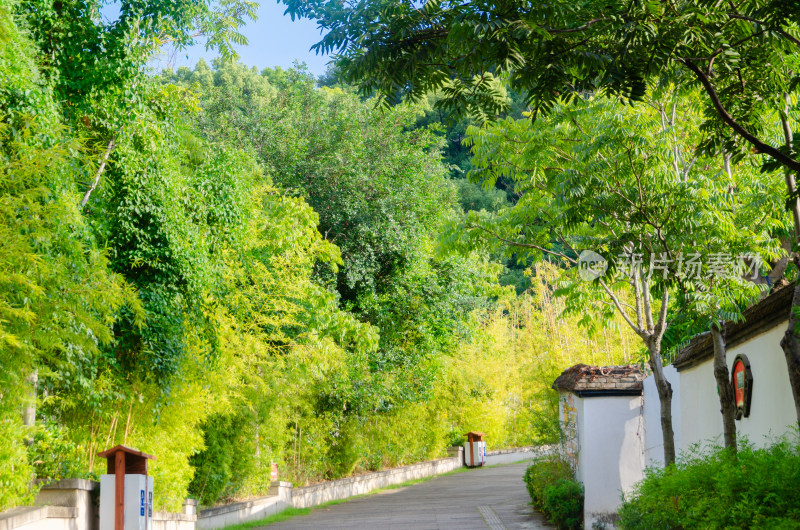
791 349
727 401
29 413
790 342
664 398
726 398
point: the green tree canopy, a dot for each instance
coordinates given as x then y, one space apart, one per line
627 185
743 55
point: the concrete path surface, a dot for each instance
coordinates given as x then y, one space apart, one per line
493 498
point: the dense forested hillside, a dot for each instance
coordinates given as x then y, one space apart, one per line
228 268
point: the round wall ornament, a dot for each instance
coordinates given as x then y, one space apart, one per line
742 381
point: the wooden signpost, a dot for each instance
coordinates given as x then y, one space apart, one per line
121 461
472 438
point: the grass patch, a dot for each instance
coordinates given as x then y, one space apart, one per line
288 513
455 472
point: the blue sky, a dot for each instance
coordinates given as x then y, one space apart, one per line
273 40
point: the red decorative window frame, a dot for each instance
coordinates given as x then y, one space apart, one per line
742 383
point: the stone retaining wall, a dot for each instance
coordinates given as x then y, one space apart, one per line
39 518
174 521
511 456
361 484
279 497
71 504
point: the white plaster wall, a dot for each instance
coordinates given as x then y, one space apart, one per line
616 440
654 440
611 462
772 408
581 471
772 412
701 421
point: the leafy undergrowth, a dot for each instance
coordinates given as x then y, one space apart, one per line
555 492
757 488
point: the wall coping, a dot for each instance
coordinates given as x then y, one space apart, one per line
62 512
525 449
71 484
236 506
768 313
171 516
16 517
589 381
19 516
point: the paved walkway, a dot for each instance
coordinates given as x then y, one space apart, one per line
493 498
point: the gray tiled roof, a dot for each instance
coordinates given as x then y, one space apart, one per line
587 380
758 318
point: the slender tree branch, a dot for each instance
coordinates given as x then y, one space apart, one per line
109 149
736 126
783 33
661 325
524 245
637 293
789 177
648 308
619 307
575 30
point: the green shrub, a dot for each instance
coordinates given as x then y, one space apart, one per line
543 473
54 455
563 503
555 492
757 488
